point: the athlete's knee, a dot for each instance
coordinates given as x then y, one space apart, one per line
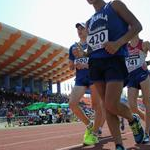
96 105
134 109
148 112
147 103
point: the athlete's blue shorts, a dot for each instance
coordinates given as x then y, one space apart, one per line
83 81
136 77
108 69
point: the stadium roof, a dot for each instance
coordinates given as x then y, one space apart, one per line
24 54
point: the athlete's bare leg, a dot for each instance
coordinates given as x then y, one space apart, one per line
145 87
76 95
111 93
97 105
132 97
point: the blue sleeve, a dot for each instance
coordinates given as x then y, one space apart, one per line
71 56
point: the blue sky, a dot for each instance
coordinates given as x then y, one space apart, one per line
54 20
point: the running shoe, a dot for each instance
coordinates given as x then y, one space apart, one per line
120 147
90 139
146 139
88 130
137 129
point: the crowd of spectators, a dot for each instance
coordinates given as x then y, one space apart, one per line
58 98
16 102
12 106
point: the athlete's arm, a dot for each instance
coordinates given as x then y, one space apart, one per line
71 59
130 19
71 65
146 46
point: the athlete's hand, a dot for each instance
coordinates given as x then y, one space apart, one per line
77 53
82 66
78 66
111 47
85 66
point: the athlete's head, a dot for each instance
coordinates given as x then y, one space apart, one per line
80 25
81 29
93 1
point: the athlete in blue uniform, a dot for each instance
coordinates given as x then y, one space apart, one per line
108 34
78 61
139 78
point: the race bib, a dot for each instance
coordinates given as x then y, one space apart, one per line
96 40
82 60
133 61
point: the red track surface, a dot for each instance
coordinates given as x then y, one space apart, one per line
60 137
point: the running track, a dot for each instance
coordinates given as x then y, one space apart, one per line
60 137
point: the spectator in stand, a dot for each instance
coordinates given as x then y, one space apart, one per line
50 115
9 116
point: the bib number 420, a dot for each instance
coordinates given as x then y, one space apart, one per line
97 40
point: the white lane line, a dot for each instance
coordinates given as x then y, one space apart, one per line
43 133
36 134
7 136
